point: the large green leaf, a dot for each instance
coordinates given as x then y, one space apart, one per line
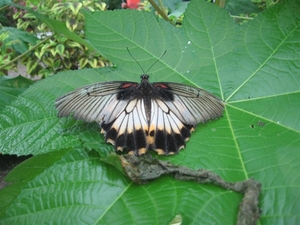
254 68
25 172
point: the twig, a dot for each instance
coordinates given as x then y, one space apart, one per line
144 169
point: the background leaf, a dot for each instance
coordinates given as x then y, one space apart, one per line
255 68
236 7
25 172
10 88
56 26
19 39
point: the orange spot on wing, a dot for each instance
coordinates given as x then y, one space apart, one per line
161 86
127 85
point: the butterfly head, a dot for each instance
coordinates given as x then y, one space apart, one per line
144 78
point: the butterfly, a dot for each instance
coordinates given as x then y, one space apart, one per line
141 116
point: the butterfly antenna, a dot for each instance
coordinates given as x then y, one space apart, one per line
150 66
135 60
157 61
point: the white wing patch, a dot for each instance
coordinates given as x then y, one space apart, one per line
165 133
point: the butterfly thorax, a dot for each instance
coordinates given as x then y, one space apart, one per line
145 88
145 92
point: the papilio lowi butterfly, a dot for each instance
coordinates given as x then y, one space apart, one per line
140 116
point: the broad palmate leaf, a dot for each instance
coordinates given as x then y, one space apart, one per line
254 68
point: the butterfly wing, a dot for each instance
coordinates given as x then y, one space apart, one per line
167 133
100 102
175 110
164 132
129 129
115 107
191 105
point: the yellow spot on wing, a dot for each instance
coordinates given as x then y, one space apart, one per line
111 141
120 148
142 151
160 151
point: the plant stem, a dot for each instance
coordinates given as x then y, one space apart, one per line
242 17
160 11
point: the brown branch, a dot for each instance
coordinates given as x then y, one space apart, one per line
144 169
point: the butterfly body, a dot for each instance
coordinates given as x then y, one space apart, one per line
142 116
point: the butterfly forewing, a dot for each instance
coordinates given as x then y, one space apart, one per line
97 102
137 117
191 105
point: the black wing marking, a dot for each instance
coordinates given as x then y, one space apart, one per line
169 133
129 129
165 133
97 102
191 105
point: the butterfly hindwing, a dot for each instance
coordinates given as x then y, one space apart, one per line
165 133
169 133
128 130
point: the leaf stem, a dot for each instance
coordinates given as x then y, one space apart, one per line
160 11
242 17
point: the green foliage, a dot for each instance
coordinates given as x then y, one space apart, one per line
172 9
10 88
254 68
13 42
56 52
265 3
243 11
6 52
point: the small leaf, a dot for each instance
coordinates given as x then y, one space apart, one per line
31 66
83 62
60 49
58 8
93 63
39 54
71 24
75 7
74 44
